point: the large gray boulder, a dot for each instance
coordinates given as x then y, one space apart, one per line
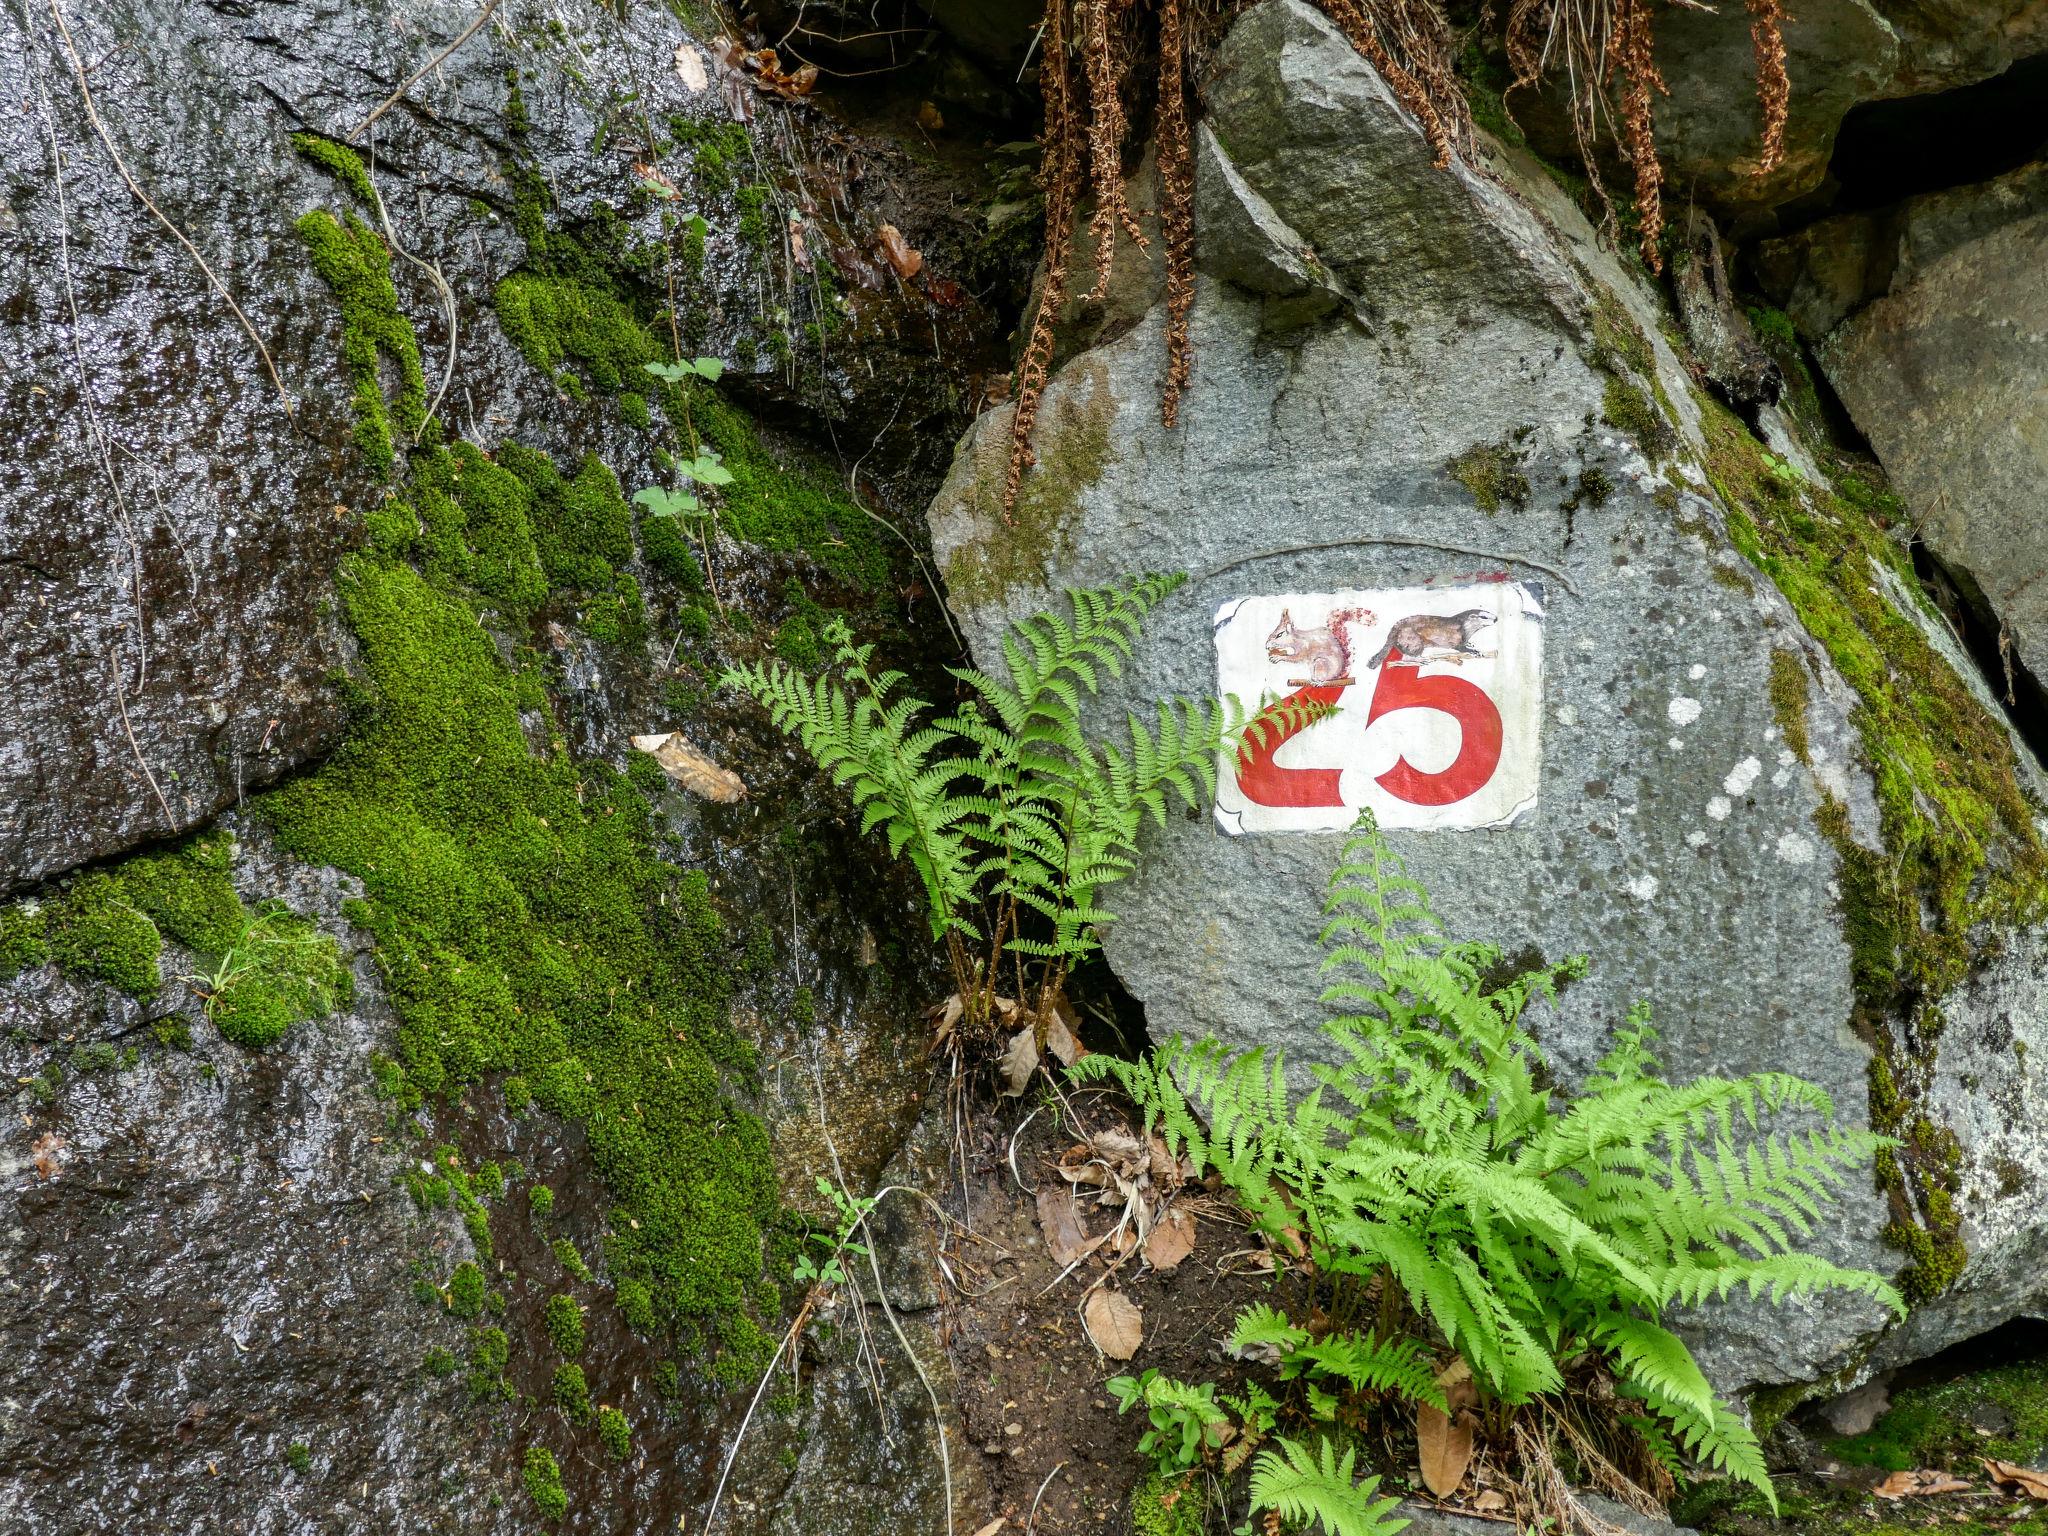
1481 399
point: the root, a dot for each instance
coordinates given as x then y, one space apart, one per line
423 71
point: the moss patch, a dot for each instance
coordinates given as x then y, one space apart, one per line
1074 449
354 262
523 924
1492 472
340 162
1162 1506
2001 1412
614 1433
544 1483
1958 832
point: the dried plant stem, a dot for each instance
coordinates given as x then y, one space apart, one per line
1106 126
1773 86
424 70
1177 213
120 165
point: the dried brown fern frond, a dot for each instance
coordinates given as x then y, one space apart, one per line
1107 56
1177 210
1060 151
1409 43
1634 59
1773 85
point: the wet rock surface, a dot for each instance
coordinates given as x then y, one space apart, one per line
1678 834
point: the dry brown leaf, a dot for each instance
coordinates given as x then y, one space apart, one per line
691 769
49 1154
1018 1061
1060 1219
1114 1322
690 67
1918 1484
1171 1240
2033 1484
1444 1440
899 252
947 1013
1491 1501
1062 1036
993 1526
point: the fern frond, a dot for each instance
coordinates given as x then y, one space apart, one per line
1298 1485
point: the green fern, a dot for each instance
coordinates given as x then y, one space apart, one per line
1522 1229
1303 1487
1015 820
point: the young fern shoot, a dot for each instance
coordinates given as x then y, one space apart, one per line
1529 1232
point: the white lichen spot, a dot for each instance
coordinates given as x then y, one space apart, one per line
1795 849
1695 838
1676 743
1566 715
1742 776
1643 887
1786 758
1718 807
1781 778
1696 671
1682 710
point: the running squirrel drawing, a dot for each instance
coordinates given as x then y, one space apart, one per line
1448 635
1327 651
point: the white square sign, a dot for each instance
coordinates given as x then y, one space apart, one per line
1430 702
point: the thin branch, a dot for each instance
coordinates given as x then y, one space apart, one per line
423 71
93 115
1402 543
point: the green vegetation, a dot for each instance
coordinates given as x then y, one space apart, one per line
263 969
299 1457
1451 1200
489 1353
540 1200
438 1362
340 162
466 1290
563 1320
1960 844
355 263
1492 472
544 1483
567 1256
2000 1412
1162 1506
523 924
571 1393
614 1433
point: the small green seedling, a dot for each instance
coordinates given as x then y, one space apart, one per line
706 368
852 1212
660 501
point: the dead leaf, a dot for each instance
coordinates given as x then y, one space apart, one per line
993 1526
49 1154
1060 1219
1444 1440
1062 1033
690 67
947 1013
1018 1061
1114 1322
691 769
2033 1484
798 251
1920 1483
1491 1501
1170 1240
655 180
899 253
930 118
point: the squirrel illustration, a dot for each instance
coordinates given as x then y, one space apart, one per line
1421 632
1327 650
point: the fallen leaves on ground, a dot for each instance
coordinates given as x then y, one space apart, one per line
1114 1322
1171 1239
899 252
1018 1061
690 769
1444 1440
1059 1217
49 1154
2033 1484
763 66
1919 1483
690 67
992 1527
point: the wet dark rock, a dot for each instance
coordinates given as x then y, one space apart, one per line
1735 363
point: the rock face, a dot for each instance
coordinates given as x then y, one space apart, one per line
1932 324
207 1257
1408 378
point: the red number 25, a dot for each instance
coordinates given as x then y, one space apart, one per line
1397 687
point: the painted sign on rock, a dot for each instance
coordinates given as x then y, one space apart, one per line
1424 703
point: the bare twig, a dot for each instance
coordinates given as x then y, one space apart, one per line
424 70
120 165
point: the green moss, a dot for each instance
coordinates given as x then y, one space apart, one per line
1960 846
669 551
563 1320
567 1256
800 640
299 1457
1163 1506
96 928
1789 690
276 969
502 560
1774 330
571 1393
348 254
720 150
187 892
523 924
636 1306
540 1200
1486 82
465 1291
2001 1412
23 939
618 617
340 162
438 1362
1626 408
555 318
633 407
489 1353
1492 472
615 1433
544 1483
1074 449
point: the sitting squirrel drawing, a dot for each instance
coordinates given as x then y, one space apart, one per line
1450 635
1327 651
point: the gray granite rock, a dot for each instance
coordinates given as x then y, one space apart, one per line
1673 834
